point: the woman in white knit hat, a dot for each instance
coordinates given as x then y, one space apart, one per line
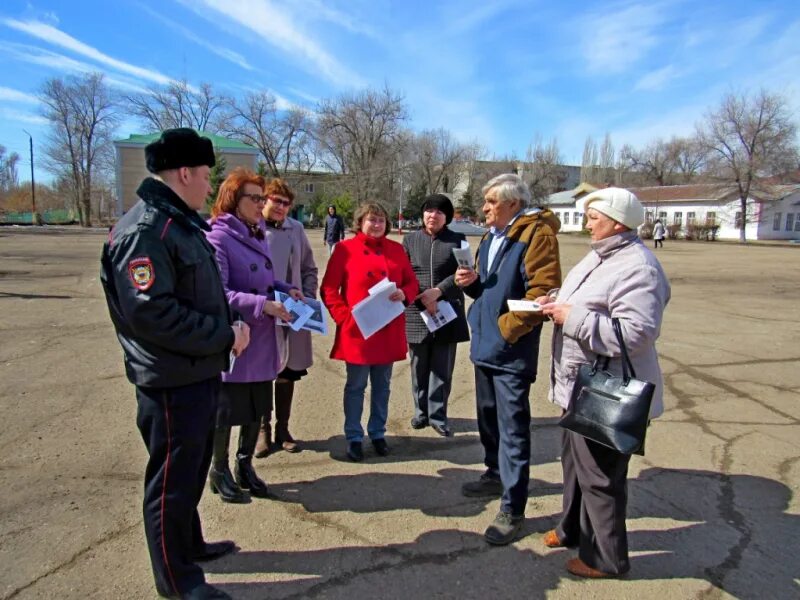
619 278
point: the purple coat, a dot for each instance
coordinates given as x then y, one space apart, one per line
245 264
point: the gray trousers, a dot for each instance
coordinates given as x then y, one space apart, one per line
431 379
595 500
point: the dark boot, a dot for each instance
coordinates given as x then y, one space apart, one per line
264 441
220 478
246 475
284 390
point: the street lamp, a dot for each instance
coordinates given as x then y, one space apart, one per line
34 219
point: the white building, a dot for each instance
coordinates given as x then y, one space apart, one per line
772 215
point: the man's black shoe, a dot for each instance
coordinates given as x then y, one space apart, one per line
381 447
485 487
205 592
214 550
355 451
419 423
504 529
442 430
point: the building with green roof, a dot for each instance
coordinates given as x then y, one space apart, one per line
131 169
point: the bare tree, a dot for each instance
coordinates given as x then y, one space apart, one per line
360 135
656 162
689 156
8 170
437 160
749 137
542 169
606 161
284 137
589 161
179 105
83 116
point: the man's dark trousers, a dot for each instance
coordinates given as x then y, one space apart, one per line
177 426
504 424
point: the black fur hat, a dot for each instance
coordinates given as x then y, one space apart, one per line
181 147
440 202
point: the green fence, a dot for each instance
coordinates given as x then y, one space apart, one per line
49 217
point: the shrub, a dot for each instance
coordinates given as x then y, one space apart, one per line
673 231
646 231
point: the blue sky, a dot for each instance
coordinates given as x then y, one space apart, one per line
498 72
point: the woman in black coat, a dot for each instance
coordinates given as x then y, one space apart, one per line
433 354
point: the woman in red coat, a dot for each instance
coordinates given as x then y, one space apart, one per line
356 265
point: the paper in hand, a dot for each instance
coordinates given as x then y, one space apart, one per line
524 306
463 255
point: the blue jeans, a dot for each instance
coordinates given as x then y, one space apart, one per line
380 377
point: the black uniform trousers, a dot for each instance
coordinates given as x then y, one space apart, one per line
595 501
177 426
504 424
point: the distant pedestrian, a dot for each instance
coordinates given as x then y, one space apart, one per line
334 229
433 355
168 306
516 260
658 234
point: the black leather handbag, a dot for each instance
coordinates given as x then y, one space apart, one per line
609 409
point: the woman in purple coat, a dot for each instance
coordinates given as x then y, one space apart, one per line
245 264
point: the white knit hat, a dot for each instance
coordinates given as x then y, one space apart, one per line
617 203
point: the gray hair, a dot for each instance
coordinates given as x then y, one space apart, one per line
507 188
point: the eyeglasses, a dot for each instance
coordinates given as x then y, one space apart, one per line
280 201
256 198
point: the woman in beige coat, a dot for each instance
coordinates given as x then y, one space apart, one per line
619 278
293 259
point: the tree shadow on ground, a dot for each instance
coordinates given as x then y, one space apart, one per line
738 535
438 564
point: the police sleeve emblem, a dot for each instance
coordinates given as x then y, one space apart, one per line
142 273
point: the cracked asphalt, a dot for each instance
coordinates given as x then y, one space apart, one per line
713 506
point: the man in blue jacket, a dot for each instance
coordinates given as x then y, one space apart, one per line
166 300
516 260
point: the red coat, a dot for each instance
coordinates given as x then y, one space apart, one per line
355 266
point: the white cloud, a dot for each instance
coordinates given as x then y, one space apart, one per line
57 37
615 40
656 80
12 95
61 63
19 116
317 10
274 26
225 53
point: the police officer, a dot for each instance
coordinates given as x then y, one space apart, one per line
172 319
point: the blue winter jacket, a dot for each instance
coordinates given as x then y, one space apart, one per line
526 266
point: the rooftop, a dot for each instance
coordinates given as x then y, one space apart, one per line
222 143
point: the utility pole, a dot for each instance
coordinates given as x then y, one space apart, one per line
34 218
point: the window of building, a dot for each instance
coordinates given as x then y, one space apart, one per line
648 216
711 218
789 221
678 219
663 216
797 224
690 218
576 218
308 188
776 223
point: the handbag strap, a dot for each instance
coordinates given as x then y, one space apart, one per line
627 365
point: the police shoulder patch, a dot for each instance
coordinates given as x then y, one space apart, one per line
142 273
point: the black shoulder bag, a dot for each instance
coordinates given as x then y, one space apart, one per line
608 409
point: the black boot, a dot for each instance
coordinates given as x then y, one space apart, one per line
284 390
220 478
246 475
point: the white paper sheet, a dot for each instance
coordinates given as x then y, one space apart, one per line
444 314
376 311
308 314
524 306
463 255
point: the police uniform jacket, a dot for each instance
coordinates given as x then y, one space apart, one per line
164 292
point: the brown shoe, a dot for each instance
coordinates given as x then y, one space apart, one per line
551 540
580 569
